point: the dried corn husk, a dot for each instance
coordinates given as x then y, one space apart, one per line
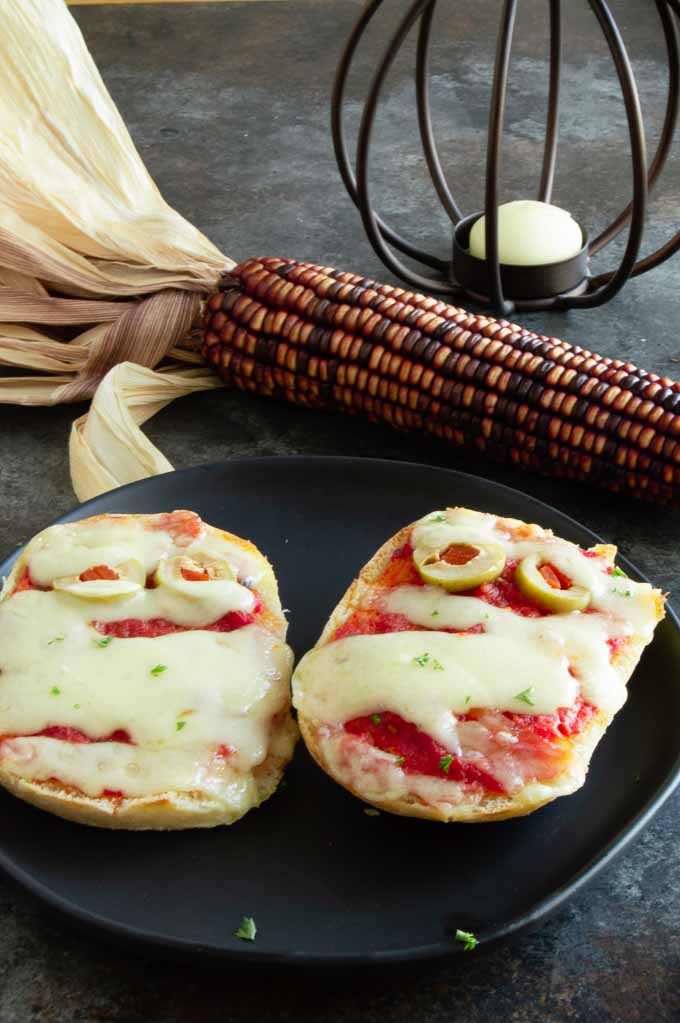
95 268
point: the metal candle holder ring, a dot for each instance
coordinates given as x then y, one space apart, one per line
567 284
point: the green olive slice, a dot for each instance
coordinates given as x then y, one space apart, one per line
460 566
537 588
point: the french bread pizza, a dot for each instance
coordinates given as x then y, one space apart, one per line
144 673
471 669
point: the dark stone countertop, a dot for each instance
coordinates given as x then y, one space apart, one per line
229 107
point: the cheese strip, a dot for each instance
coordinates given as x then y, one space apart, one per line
73 547
134 772
427 676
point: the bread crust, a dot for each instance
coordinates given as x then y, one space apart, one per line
172 810
491 808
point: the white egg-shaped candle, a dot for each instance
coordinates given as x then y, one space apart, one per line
530 233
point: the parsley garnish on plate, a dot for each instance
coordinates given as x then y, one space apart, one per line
467 940
57 639
399 761
55 691
433 614
179 725
618 571
467 700
158 669
376 719
622 593
246 929
525 696
445 763
439 517
437 665
104 642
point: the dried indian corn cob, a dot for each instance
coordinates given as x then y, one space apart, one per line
329 339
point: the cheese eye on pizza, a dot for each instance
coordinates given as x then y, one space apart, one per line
470 671
144 674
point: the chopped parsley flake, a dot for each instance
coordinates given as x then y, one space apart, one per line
445 763
57 639
246 930
467 939
158 669
622 593
618 571
179 725
376 719
55 691
104 642
467 700
434 614
76 706
439 517
370 812
525 696
399 761
425 659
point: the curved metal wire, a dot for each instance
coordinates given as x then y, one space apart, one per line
602 287
667 131
368 216
425 118
340 147
551 129
639 158
496 114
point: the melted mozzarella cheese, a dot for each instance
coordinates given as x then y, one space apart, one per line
73 547
180 696
426 677
134 772
210 601
623 598
580 639
551 659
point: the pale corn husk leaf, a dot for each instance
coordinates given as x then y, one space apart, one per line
87 241
107 446
72 185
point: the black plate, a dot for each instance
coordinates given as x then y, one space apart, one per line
325 883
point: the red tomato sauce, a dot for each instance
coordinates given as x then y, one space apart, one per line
24 582
372 622
616 645
502 592
421 753
68 734
137 628
566 722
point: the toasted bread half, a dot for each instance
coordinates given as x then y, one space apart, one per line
500 760
145 675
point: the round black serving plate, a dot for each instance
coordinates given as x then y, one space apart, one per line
326 884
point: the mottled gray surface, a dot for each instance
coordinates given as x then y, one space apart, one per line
229 107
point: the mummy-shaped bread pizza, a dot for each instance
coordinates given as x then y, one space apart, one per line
144 674
472 668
